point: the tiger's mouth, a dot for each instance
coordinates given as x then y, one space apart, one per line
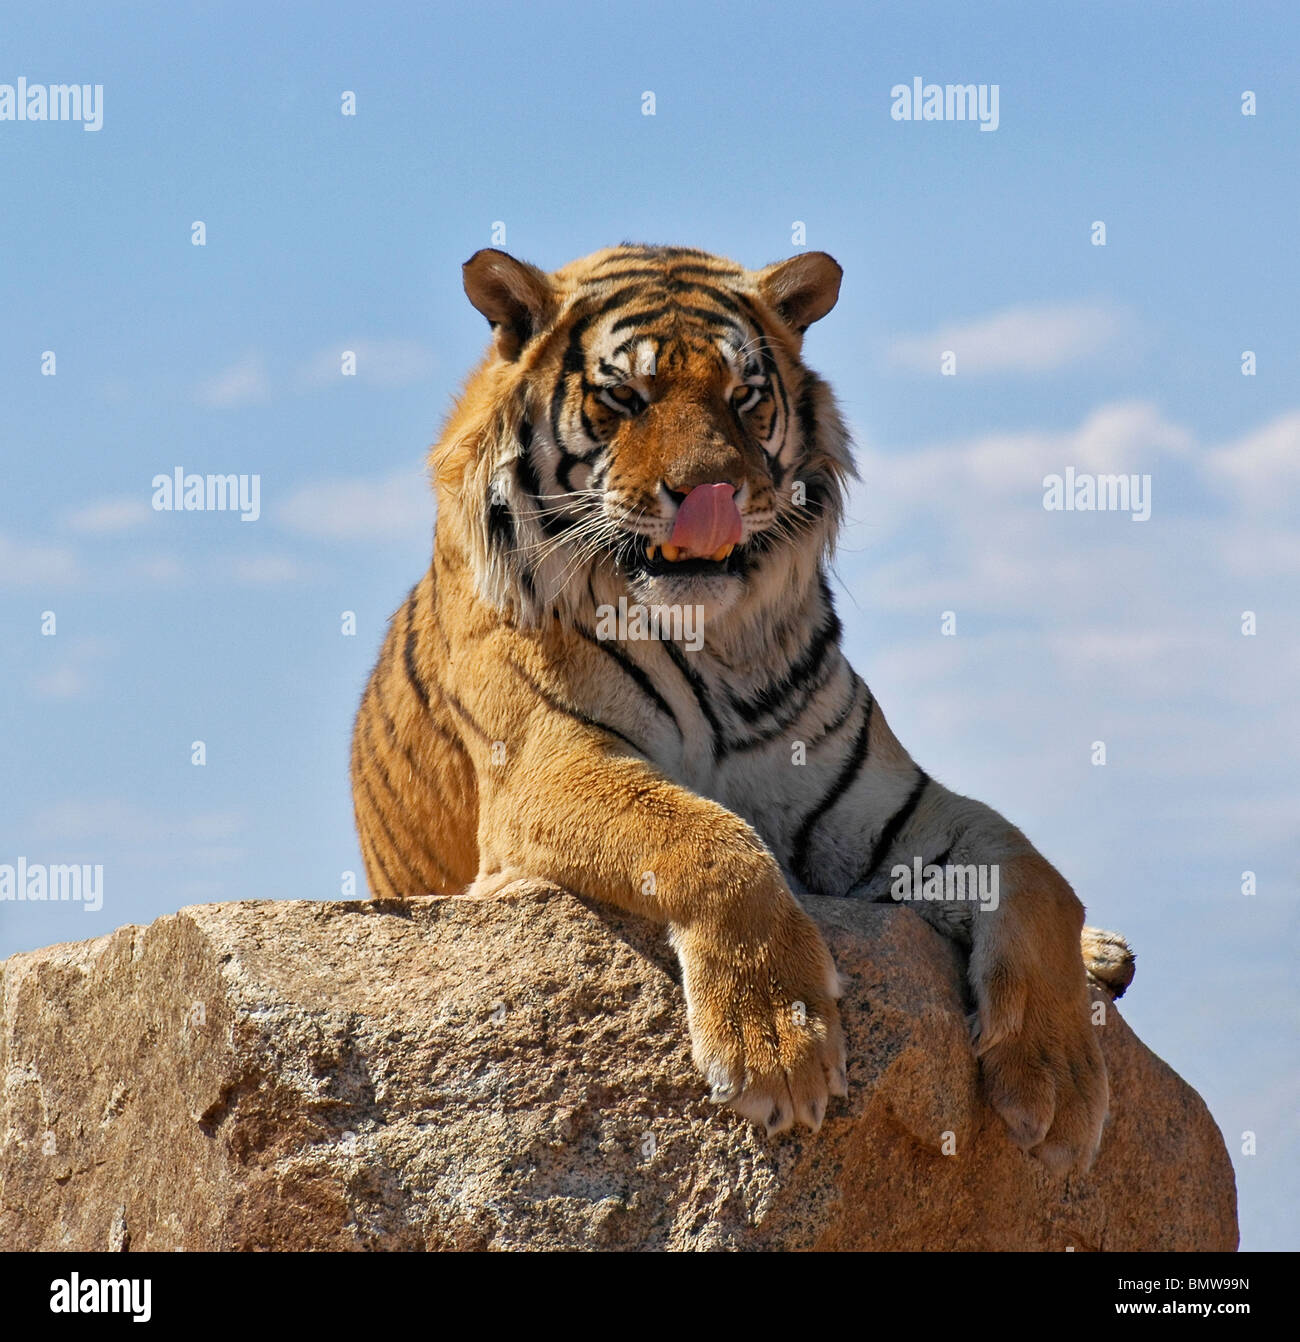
657 559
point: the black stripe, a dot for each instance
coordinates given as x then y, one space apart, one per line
418 684
587 426
655 251
662 278
555 702
843 781
529 485
817 492
836 722
782 397
807 417
715 319
800 673
528 480
631 668
374 860
408 652
893 827
379 819
703 315
640 318
619 298
461 711
778 726
375 698
574 362
369 853
500 524
943 857
798 687
700 692
628 273
569 461
433 609
678 268
665 250
390 730
413 836
727 299
552 523
747 307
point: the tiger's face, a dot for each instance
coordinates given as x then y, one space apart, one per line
662 432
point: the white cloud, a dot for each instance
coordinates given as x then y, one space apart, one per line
33 564
243 383
1077 627
1124 435
1260 551
962 522
62 682
393 508
108 516
974 473
383 363
389 364
1262 468
71 671
1025 339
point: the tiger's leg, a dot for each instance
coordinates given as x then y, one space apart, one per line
759 983
1032 1026
1032 1029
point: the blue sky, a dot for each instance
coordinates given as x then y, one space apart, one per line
328 233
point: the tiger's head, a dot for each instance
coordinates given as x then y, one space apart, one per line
643 425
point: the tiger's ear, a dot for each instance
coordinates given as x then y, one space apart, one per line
803 289
515 297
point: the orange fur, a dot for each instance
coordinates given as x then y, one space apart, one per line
498 739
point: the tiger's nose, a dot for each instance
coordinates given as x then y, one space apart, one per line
706 462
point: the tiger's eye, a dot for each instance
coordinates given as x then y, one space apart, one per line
623 398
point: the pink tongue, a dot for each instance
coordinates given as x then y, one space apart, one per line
707 519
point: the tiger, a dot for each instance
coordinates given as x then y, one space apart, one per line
643 430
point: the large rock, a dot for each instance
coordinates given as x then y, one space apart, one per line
513 1073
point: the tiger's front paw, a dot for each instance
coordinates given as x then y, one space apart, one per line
765 1030
1042 1066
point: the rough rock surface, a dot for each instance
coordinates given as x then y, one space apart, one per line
513 1072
